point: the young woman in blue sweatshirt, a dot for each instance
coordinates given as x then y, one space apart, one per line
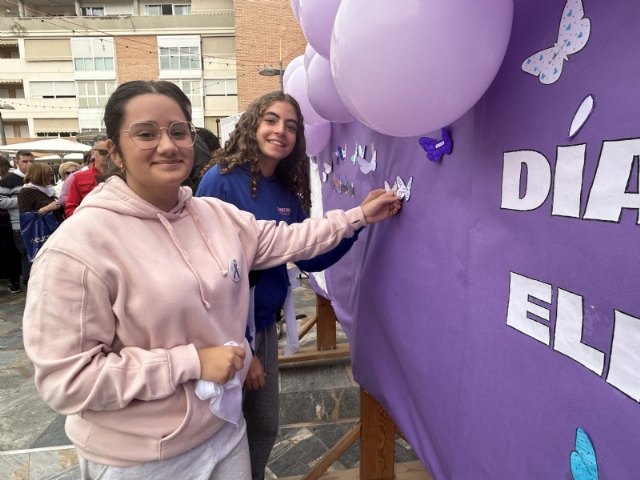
264 170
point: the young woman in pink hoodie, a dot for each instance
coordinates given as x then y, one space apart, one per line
122 328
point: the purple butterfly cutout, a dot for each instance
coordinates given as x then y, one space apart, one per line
436 149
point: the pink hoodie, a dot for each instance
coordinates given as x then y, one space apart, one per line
123 294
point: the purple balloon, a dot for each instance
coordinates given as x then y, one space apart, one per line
293 64
297 88
316 20
317 137
295 7
421 68
322 92
309 53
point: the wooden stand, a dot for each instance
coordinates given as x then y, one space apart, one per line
326 347
376 430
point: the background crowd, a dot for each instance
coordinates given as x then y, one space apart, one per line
59 189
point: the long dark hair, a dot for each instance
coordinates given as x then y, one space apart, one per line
114 110
242 148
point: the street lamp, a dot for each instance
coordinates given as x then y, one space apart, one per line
4 106
269 71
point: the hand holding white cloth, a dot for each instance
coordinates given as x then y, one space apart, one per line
225 400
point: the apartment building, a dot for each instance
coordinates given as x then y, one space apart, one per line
61 59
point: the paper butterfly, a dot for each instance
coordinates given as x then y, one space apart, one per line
341 153
368 167
583 459
402 191
326 170
361 152
572 37
436 149
343 187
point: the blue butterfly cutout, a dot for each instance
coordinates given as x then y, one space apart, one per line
436 149
584 465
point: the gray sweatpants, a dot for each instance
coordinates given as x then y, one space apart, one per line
224 456
262 407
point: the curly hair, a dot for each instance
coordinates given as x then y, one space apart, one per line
242 148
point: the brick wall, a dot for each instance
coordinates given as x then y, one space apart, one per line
261 25
137 58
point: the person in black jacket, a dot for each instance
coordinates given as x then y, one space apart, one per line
10 186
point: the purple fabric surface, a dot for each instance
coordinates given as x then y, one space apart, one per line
424 297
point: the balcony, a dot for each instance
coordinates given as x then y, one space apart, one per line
41 108
222 22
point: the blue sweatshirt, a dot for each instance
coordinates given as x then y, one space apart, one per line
274 201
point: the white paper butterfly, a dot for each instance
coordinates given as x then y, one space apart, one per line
341 153
402 191
368 166
360 153
327 167
572 37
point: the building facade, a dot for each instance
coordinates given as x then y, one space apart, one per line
267 39
60 60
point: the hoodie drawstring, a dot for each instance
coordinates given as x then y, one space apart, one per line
196 219
185 257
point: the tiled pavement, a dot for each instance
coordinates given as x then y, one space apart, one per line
318 405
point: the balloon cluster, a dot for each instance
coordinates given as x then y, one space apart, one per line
402 68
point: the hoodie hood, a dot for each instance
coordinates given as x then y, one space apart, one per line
115 195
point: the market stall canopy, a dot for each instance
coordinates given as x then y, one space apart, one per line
50 145
76 157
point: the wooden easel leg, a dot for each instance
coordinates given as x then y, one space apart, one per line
377 435
326 324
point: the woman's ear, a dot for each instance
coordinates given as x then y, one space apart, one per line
113 154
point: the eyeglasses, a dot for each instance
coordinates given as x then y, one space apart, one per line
147 135
68 172
104 153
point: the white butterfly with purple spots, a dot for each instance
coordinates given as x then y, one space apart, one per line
573 35
403 191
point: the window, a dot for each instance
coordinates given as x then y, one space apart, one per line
179 53
181 9
221 87
92 11
56 134
167 9
192 89
98 64
53 90
93 54
36 50
94 93
179 58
